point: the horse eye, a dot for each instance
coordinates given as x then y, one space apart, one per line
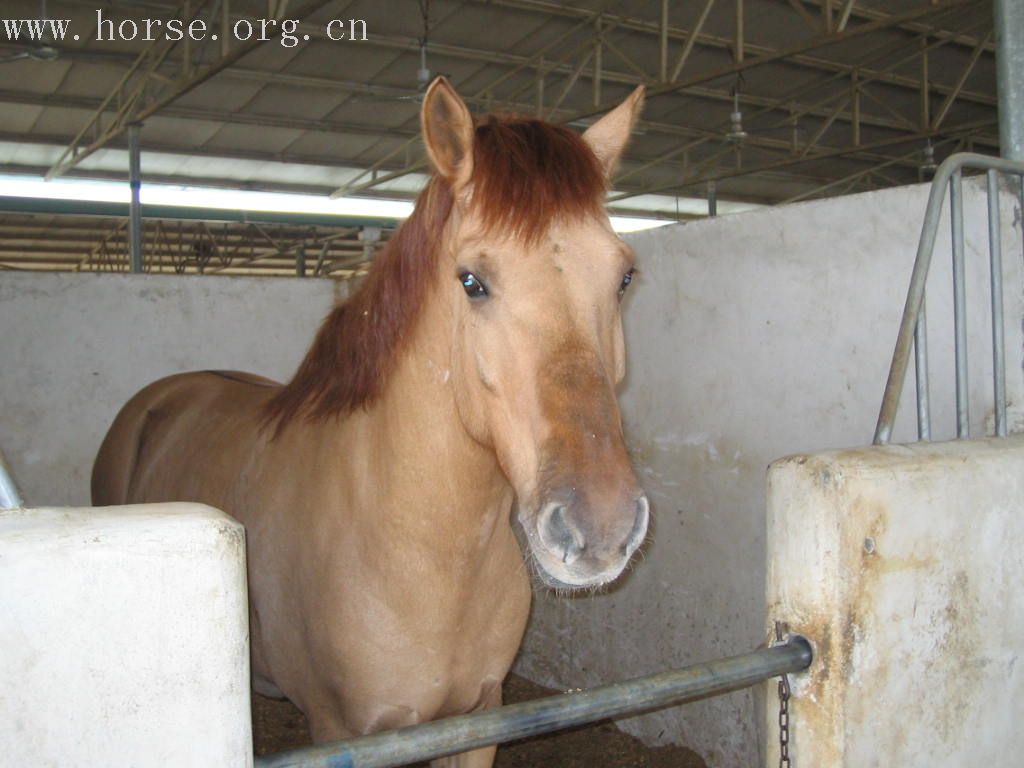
472 286
626 280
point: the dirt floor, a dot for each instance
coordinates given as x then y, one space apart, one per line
278 726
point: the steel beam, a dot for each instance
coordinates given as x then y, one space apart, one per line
567 10
143 91
1009 28
855 94
925 97
813 142
951 96
537 57
902 120
663 43
135 206
864 13
549 68
804 88
788 52
853 177
584 16
9 96
278 250
567 88
790 162
844 15
809 20
120 210
738 47
710 135
18 97
691 40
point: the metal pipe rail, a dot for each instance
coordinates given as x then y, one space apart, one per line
10 497
135 206
533 718
912 326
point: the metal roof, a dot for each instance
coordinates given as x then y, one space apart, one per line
833 96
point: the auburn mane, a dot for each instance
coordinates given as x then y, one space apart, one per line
526 174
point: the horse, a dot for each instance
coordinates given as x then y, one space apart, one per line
473 373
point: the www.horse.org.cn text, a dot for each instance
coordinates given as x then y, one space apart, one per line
289 32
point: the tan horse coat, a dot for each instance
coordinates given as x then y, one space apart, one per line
386 584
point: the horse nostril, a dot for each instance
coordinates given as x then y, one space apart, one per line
639 530
559 534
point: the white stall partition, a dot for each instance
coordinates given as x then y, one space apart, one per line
903 565
124 637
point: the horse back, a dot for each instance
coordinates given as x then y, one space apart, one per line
186 437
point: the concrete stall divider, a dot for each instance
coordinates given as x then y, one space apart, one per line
124 637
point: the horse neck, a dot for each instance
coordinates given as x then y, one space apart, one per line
417 427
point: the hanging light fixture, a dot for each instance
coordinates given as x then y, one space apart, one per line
736 133
928 165
423 74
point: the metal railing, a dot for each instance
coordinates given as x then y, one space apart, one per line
10 497
533 718
913 327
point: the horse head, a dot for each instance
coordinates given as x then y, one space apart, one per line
533 276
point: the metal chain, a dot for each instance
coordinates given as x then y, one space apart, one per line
784 695
784 722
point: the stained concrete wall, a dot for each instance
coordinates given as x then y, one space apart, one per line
903 566
124 637
751 337
75 347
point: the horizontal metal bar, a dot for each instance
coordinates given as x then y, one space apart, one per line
10 497
919 276
533 718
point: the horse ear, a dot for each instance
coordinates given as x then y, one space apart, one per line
609 135
448 132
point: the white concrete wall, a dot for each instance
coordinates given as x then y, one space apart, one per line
124 637
751 337
903 566
75 347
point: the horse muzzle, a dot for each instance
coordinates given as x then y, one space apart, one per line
578 545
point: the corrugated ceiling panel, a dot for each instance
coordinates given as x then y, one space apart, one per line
463 26
350 61
175 132
16 118
32 76
220 94
61 121
92 79
242 137
289 101
385 111
339 146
